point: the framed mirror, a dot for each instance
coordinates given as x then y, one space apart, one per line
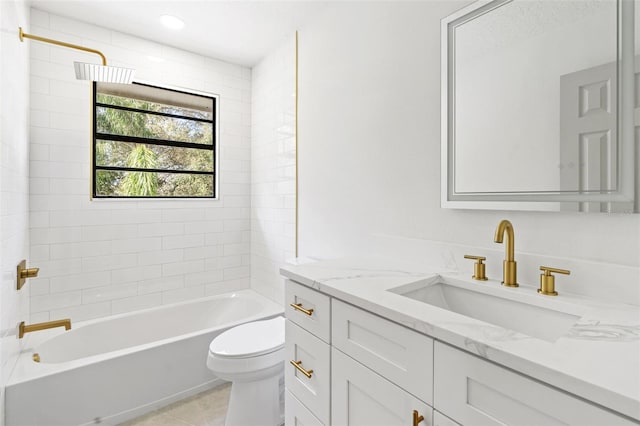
539 106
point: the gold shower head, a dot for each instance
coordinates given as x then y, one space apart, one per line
89 71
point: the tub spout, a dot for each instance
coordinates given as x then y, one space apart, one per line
23 328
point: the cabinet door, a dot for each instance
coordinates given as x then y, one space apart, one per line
403 356
312 354
476 392
313 312
296 414
359 396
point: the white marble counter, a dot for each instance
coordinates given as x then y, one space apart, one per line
597 359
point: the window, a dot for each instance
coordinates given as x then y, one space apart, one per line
150 142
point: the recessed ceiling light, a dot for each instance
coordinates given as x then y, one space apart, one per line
172 22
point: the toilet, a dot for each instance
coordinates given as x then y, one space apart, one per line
251 356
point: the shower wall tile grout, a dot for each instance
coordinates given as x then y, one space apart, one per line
104 257
14 184
273 170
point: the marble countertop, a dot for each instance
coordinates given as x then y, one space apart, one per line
598 358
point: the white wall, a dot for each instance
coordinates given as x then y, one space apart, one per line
14 168
369 151
104 257
273 169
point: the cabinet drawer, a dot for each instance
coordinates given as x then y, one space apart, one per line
297 414
361 397
476 392
403 356
317 319
312 354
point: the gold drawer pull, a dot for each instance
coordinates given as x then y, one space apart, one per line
298 306
296 364
417 418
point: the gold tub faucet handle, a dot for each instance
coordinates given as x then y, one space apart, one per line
548 281
23 273
479 268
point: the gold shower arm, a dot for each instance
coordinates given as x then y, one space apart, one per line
61 43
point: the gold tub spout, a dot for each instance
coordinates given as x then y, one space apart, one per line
23 328
509 277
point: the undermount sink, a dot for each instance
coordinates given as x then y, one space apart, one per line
484 303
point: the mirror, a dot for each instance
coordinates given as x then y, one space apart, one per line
538 105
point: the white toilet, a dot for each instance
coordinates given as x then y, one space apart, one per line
251 356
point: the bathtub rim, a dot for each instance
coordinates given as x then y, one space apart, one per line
26 369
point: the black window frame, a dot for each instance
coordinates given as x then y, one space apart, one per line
161 142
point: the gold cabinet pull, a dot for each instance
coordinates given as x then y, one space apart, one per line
298 367
417 418
298 306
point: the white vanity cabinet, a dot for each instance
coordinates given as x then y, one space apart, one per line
368 370
473 391
364 370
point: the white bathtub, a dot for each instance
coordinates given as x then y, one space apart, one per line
114 369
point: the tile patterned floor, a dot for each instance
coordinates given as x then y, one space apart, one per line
204 409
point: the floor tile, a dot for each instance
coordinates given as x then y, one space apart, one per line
208 408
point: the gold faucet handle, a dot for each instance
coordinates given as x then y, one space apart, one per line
548 281
479 268
548 270
22 273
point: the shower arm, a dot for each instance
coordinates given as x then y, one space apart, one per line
24 35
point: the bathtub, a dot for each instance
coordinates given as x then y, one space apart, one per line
114 369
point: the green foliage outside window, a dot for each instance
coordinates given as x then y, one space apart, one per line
151 147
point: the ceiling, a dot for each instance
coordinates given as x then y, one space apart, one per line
237 31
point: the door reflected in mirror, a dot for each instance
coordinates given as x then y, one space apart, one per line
532 91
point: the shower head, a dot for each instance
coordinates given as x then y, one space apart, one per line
104 73
88 71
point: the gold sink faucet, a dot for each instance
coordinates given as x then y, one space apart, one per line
509 277
24 329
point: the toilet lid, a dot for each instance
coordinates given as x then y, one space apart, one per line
250 339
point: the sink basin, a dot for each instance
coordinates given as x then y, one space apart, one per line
487 304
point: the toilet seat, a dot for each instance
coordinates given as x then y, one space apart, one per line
249 340
251 356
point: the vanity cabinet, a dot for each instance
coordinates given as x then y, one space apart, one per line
473 391
364 370
368 370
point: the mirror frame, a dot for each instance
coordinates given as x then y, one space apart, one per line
627 188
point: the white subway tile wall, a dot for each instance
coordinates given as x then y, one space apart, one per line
14 184
273 156
105 257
